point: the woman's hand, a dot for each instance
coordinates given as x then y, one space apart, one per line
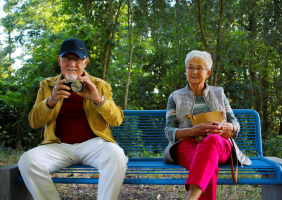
224 129
205 128
198 130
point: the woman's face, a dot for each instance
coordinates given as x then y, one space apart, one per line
196 71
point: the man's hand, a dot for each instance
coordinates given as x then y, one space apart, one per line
89 90
59 92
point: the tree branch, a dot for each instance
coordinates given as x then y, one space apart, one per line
201 26
184 2
279 9
218 42
111 36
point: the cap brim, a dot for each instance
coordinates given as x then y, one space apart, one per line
78 53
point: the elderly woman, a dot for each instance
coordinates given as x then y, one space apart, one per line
201 159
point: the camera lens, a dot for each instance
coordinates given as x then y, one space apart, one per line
76 86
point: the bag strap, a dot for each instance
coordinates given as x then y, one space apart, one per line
234 176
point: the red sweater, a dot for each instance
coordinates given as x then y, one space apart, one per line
72 125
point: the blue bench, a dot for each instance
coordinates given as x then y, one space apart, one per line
142 137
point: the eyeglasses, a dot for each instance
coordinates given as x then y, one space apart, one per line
199 69
75 60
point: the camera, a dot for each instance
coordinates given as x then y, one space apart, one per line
75 85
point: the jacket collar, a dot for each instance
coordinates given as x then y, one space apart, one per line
191 92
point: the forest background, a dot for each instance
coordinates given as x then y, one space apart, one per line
139 47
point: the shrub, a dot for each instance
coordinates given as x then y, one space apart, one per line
273 146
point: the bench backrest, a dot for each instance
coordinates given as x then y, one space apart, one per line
143 130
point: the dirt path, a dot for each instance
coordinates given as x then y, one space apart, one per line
159 192
128 192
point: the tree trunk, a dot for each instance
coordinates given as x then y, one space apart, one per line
178 30
280 127
202 33
280 100
9 70
130 37
250 77
111 36
109 41
218 44
202 27
264 109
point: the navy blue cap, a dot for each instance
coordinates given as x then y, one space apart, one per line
73 46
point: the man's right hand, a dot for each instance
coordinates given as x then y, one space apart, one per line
59 92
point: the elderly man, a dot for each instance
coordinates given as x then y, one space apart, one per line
76 128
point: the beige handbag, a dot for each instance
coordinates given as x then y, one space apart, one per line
209 117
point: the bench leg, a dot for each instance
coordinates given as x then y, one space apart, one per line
8 189
271 192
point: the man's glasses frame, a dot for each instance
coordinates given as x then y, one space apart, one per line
75 60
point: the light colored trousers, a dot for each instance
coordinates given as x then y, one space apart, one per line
36 165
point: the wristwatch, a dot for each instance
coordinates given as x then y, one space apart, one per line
103 99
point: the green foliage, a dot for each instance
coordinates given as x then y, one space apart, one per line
15 103
246 51
273 147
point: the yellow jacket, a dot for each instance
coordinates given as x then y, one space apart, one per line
98 117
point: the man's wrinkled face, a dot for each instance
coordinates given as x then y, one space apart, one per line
72 66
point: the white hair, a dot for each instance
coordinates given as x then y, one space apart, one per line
200 54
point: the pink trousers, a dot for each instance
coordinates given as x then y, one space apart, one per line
202 161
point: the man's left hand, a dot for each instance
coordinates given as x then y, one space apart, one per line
89 90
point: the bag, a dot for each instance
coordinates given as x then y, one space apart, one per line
209 117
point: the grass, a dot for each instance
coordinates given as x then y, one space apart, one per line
9 156
134 192
234 192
